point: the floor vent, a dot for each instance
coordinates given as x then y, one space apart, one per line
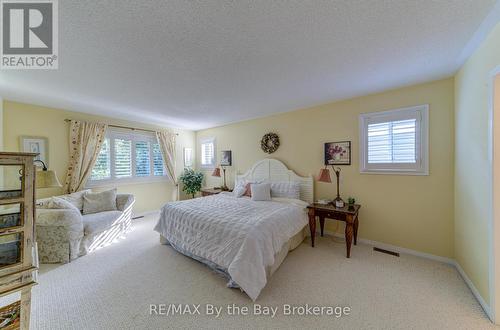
392 253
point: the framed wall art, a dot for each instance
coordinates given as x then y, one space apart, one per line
188 157
338 153
38 145
226 158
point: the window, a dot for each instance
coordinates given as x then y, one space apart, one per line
395 141
102 167
207 152
128 157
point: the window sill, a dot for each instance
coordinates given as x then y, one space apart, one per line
126 182
394 172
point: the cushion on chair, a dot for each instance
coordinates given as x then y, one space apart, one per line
99 202
59 203
97 222
76 198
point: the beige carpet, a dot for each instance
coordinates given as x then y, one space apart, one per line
114 287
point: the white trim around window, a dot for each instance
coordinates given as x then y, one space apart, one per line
208 153
131 172
395 141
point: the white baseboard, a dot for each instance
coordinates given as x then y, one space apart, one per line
476 294
449 261
397 249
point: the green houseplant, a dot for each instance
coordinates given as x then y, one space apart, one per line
351 201
191 181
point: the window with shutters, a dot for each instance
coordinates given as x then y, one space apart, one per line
102 167
207 159
128 157
395 141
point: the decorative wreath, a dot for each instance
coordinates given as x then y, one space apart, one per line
270 142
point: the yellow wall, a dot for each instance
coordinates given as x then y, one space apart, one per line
25 119
472 161
415 212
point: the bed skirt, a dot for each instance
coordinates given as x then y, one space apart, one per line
279 257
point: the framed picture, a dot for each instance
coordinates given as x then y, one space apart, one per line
188 157
36 144
338 153
226 158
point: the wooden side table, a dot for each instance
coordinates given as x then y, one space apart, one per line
329 211
211 191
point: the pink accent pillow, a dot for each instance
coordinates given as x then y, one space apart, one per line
248 190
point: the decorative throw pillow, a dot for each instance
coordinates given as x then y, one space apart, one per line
59 203
99 202
261 191
239 189
247 184
285 189
76 198
248 190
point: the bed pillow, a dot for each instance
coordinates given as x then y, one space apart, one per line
99 202
260 191
285 189
239 189
248 190
246 185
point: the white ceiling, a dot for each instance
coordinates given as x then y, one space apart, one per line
199 64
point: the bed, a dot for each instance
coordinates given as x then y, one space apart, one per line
244 240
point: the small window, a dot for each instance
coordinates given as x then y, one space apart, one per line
395 141
207 152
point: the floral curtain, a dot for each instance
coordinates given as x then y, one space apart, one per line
85 141
166 140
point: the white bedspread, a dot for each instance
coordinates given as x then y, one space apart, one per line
238 234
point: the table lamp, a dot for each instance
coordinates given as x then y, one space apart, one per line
216 173
46 178
324 176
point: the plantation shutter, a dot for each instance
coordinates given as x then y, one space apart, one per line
207 153
142 159
392 142
123 158
102 167
158 168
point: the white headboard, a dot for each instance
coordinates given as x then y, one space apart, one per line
272 170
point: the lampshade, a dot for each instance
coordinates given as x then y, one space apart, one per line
216 172
47 179
324 175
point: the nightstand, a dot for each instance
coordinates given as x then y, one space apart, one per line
328 211
211 191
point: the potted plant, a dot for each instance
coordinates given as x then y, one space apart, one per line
191 181
351 201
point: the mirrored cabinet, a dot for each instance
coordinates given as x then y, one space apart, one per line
18 251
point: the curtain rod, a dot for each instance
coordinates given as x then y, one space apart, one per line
126 127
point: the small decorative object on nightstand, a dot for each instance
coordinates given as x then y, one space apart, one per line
350 202
350 217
